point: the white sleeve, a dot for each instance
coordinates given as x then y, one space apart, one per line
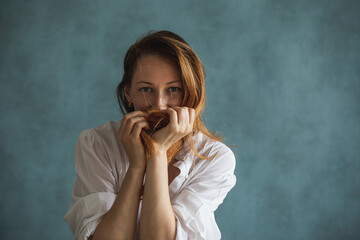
94 190
194 206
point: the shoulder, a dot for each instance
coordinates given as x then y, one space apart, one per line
101 139
105 133
221 156
100 145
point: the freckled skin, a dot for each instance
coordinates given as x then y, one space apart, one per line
156 84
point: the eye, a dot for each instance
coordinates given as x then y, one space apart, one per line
174 89
145 89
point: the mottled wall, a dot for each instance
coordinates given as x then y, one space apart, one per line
283 83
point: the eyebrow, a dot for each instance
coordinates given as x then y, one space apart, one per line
176 81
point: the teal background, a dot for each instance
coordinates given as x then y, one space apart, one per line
283 84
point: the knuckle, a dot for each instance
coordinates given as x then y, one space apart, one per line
132 140
139 124
132 121
120 136
185 129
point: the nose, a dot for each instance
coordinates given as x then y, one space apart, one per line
160 101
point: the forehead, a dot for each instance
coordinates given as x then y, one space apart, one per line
156 69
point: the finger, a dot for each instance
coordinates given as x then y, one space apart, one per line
191 116
191 119
173 117
183 115
138 128
131 124
126 118
186 117
180 114
127 128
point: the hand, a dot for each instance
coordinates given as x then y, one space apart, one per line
181 124
129 135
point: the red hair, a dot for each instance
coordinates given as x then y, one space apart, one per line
175 48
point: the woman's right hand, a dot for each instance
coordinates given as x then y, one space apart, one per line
129 135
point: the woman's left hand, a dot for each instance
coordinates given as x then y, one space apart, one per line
181 124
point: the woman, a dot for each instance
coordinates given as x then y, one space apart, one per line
127 188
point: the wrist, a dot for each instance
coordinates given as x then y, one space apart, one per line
159 152
157 157
137 170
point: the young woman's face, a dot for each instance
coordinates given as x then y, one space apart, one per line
156 84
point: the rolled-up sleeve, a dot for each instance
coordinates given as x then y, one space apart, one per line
195 204
94 189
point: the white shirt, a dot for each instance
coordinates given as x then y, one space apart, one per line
101 164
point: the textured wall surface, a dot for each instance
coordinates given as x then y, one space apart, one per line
283 83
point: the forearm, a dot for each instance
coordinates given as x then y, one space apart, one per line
120 221
157 217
